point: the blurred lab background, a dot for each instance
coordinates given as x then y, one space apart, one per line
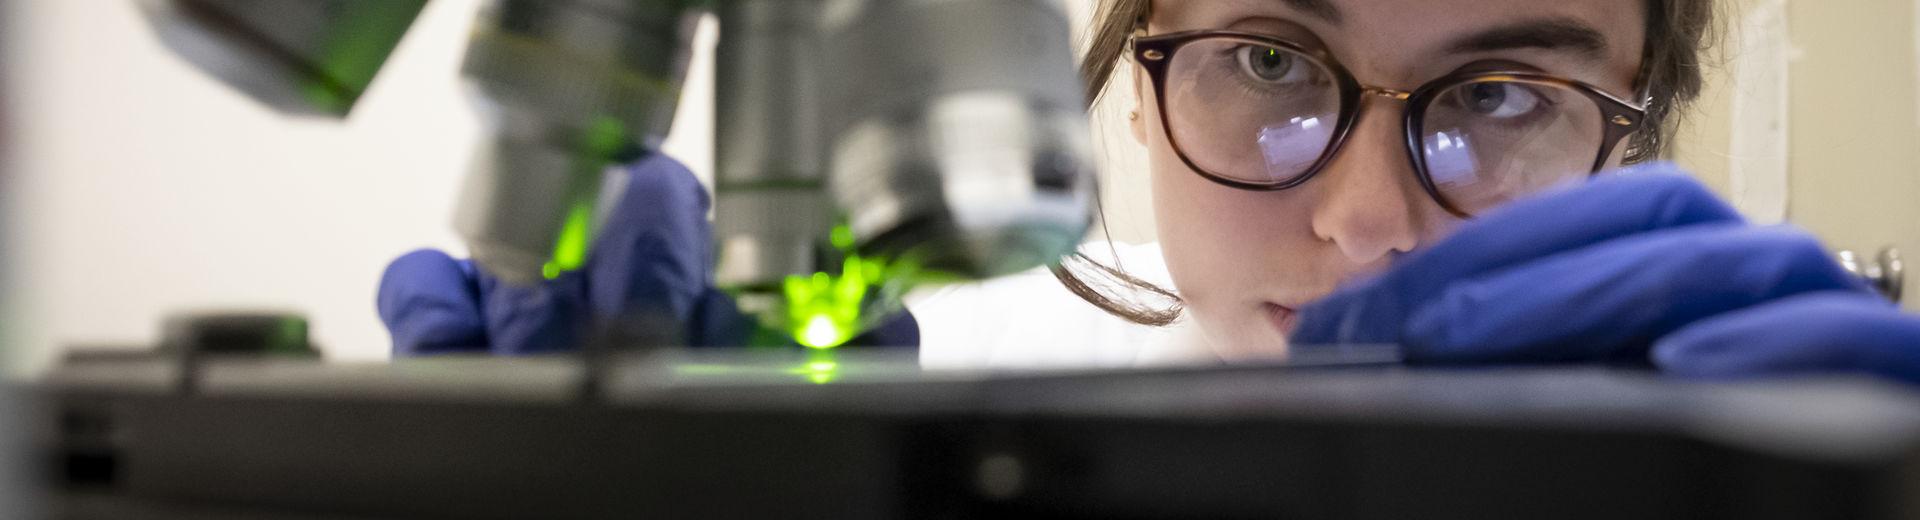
137 187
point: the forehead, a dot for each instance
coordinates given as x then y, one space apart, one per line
1410 17
1400 34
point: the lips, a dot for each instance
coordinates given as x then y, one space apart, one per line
1283 318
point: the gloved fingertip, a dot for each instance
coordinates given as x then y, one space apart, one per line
429 303
1687 353
423 273
1829 331
1361 314
1682 198
660 178
1314 327
656 252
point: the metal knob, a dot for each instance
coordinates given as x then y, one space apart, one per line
1886 274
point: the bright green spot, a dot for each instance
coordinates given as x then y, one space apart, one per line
824 310
821 332
602 139
570 252
843 238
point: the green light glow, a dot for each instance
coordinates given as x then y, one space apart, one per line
705 369
843 238
823 310
819 332
822 369
600 142
570 252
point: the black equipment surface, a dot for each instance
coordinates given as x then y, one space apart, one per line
865 435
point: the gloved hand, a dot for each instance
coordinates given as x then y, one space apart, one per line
1641 266
652 258
651 265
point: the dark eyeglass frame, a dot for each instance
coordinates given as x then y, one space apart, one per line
1619 118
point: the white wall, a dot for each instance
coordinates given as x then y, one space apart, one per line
141 187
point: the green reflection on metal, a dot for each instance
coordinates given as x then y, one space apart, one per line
570 252
705 369
355 51
820 369
600 143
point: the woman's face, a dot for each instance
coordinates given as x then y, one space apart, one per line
1243 260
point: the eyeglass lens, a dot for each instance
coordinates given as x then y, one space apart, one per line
1264 115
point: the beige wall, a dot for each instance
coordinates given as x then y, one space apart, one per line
1853 125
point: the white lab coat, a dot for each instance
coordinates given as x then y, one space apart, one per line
1029 320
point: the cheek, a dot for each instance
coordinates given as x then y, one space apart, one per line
1226 250
1224 246
1190 238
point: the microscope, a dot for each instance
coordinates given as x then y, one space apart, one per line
862 147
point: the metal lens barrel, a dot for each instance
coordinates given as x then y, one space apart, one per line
772 213
569 89
867 144
312 57
959 133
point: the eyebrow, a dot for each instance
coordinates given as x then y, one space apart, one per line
1322 9
1554 34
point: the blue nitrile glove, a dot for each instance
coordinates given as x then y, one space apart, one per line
651 264
1643 265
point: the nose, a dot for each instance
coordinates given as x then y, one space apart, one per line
1368 196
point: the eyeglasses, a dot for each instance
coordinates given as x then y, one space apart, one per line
1259 113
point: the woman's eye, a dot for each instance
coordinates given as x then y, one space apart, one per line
1498 100
1271 65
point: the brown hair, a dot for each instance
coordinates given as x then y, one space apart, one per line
1678 34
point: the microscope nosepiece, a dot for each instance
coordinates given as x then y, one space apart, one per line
976 185
959 133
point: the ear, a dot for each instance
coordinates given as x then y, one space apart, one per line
1137 117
